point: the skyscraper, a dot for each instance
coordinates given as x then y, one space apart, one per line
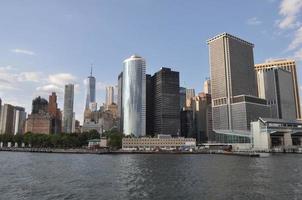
39 105
182 97
190 93
19 120
276 86
39 121
134 96
207 86
55 113
90 90
165 102
7 119
234 91
120 102
109 95
289 65
68 108
202 109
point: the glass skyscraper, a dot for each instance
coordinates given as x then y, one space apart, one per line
134 96
68 108
90 91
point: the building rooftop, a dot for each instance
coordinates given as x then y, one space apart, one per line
230 36
134 57
275 61
280 121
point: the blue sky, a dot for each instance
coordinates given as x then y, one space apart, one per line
45 44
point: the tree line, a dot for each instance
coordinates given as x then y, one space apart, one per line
62 140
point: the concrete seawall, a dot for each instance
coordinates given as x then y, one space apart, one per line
106 151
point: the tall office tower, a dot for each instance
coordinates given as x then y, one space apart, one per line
187 128
234 91
52 104
202 109
289 65
39 121
0 109
19 120
115 98
182 97
134 96
165 98
7 119
120 102
73 126
39 105
149 105
55 113
90 90
68 108
276 86
207 86
109 95
190 93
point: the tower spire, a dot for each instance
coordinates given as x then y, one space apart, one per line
91 69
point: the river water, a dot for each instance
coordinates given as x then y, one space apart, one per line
74 176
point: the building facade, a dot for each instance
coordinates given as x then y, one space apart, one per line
55 113
233 85
120 102
134 96
182 98
187 126
202 108
276 134
207 86
68 108
39 105
90 90
109 95
276 86
161 142
39 123
190 93
289 65
165 102
19 120
7 119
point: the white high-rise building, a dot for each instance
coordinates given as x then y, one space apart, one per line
134 96
68 108
109 95
207 86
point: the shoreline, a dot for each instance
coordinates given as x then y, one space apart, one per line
120 152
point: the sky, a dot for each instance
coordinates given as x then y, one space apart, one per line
47 44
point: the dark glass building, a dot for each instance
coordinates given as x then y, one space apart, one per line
163 115
39 105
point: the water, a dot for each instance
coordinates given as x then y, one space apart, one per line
70 176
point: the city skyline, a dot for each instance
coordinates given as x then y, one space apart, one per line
41 69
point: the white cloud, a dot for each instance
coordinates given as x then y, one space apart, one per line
101 86
298 55
253 21
29 76
61 79
297 41
49 88
290 10
23 51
